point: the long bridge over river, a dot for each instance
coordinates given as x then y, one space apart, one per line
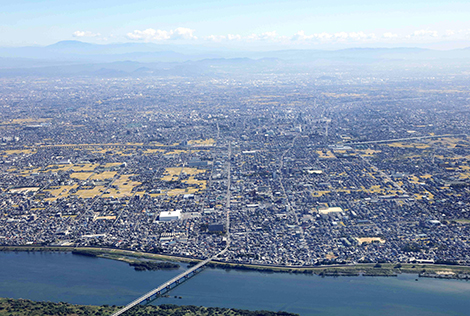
168 285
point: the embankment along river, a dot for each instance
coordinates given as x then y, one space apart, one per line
45 276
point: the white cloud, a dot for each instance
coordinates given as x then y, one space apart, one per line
85 34
253 37
423 33
234 37
220 38
339 36
389 35
263 36
269 35
300 36
148 35
215 38
361 36
182 33
161 35
449 33
323 36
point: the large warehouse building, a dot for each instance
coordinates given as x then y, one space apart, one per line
169 216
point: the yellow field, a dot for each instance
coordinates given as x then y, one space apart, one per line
409 145
153 151
450 142
112 164
414 179
171 174
200 184
189 190
85 167
98 150
464 176
60 191
125 186
193 171
81 175
86 194
26 121
327 155
64 167
28 171
176 192
103 175
157 144
7 153
383 191
426 194
368 152
202 142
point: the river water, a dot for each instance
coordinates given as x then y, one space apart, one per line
84 280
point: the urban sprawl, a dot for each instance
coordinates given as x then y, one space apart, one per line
294 170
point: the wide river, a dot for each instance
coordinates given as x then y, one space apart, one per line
84 280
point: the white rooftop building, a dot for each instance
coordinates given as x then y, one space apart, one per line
169 216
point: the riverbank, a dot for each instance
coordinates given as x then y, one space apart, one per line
22 307
364 269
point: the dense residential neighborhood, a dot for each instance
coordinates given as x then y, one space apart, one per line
289 170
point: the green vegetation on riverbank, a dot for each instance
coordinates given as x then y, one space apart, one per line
139 265
23 307
366 269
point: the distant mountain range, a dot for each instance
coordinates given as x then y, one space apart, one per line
80 58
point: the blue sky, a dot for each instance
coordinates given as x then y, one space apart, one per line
248 24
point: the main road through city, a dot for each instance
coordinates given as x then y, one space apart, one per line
184 275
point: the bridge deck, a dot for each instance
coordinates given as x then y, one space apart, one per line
164 285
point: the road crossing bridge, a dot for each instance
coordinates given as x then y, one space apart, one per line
168 285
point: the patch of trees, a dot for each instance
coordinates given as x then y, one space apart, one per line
26 307
84 253
151 265
448 262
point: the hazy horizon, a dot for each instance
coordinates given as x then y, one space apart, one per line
249 25
440 46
